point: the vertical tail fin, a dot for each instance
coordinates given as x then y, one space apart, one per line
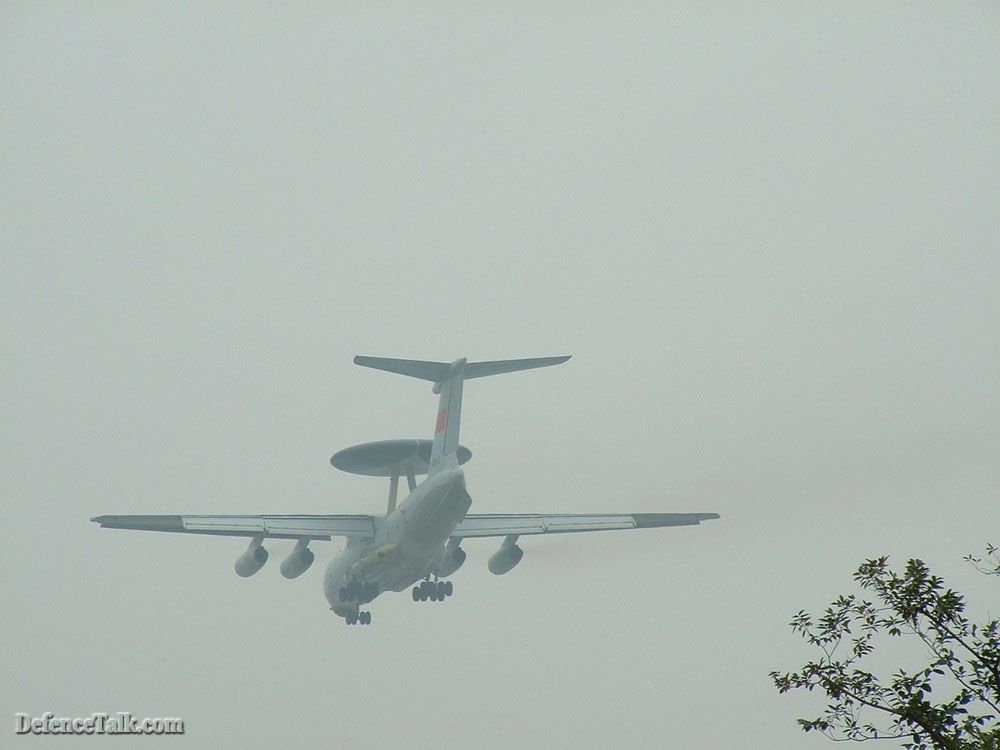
449 417
448 380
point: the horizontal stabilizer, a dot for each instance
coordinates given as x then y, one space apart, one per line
414 368
482 369
435 372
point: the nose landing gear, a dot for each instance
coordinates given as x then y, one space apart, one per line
355 618
358 591
435 591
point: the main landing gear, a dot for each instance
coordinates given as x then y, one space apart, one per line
358 591
435 591
355 618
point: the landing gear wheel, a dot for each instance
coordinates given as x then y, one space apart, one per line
366 618
416 593
448 588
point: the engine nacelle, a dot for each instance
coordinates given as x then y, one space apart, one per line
297 562
453 559
251 561
506 557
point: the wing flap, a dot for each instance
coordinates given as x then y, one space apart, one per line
480 525
270 526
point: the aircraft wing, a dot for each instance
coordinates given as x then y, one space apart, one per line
474 525
271 527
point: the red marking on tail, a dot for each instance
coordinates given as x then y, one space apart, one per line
442 420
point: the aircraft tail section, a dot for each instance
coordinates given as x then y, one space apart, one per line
448 379
501 366
436 371
414 368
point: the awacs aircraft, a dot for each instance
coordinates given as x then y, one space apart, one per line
417 543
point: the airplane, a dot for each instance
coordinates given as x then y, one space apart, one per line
417 543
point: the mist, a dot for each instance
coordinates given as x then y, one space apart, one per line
766 233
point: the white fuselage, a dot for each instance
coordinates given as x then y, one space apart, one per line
408 544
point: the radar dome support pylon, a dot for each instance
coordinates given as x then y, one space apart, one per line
392 459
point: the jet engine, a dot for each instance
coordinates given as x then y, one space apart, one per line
505 558
298 560
454 556
252 560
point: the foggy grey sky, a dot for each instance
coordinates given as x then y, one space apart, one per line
766 232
